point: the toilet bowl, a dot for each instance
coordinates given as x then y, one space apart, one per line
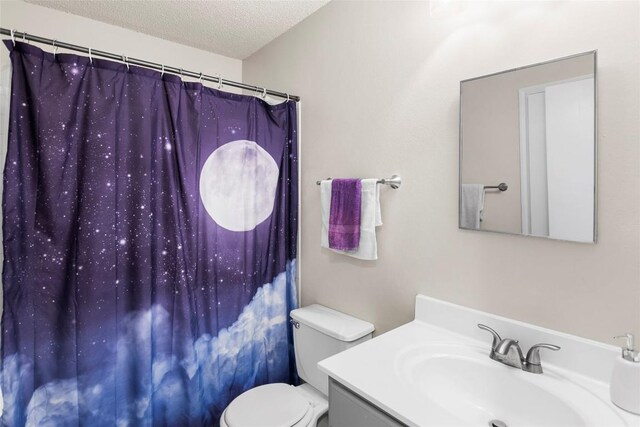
276 405
319 332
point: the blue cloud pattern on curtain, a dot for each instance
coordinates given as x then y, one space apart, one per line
150 245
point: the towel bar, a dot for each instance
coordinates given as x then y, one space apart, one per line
394 182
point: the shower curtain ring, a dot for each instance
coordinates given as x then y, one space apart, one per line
55 48
90 57
24 37
287 97
162 72
219 81
126 61
13 37
264 93
200 78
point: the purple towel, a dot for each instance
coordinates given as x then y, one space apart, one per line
344 215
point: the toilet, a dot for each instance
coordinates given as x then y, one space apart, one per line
318 332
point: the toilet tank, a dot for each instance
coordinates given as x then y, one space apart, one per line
320 332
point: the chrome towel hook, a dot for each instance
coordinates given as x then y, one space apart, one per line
502 187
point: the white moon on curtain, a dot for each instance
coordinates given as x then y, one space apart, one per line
238 185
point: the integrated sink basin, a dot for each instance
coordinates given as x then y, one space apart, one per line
436 372
461 381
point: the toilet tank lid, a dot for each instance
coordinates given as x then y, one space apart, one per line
331 322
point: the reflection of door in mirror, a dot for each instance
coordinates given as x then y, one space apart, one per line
556 159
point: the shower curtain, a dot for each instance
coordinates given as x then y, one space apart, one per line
149 237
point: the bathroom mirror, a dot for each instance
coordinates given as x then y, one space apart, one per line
528 150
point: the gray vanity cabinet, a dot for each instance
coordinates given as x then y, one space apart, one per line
346 409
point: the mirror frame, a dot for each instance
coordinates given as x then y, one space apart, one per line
595 146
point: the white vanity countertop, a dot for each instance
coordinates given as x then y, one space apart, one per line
370 370
377 371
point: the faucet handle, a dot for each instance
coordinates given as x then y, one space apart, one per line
496 336
629 338
533 355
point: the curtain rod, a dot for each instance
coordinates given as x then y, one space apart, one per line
147 64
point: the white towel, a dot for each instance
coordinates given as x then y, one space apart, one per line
472 196
370 218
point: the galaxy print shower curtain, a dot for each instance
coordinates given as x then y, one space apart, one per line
149 242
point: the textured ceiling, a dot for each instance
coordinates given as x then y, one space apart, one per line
231 28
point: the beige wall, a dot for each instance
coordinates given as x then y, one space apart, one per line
491 135
379 82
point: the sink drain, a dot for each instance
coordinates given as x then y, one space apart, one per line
497 423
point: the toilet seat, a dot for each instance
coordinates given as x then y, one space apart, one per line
272 405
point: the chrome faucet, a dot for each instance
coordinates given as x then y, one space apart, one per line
508 351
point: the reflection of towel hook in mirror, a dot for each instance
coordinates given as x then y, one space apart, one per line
502 186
